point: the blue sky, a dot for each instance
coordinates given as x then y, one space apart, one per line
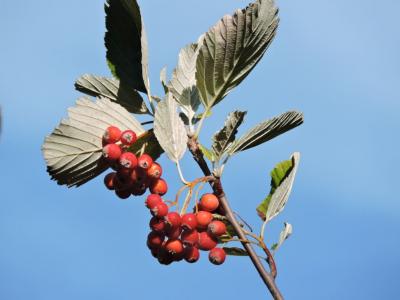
337 61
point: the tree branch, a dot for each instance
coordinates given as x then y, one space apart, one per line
219 192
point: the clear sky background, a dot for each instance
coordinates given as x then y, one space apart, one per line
337 61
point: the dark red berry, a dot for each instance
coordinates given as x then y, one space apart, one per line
145 161
217 228
173 220
189 222
128 137
174 233
206 241
111 152
160 210
190 237
111 135
123 194
155 171
217 256
192 254
155 239
128 160
209 202
174 246
152 200
203 219
109 181
138 190
157 224
139 176
159 186
122 182
164 257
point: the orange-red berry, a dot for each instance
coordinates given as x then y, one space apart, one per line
111 135
209 202
111 152
145 161
174 246
152 200
128 137
190 237
206 241
157 224
217 256
159 186
192 254
155 171
217 228
173 220
203 219
189 222
160 210
128 160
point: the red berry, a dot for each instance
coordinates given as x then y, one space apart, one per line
128 137
111 135
155 171
188 221
157 224
203 219
192 254
155 239
173 220
123 172
217 228
111 152
164 257
174 233
174 247
217 256
190 238
206 241
152 200
209 202
145 161
159 186
128 160
138 190
160 210
109 181
123 194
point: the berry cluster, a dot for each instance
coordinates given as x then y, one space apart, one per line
133 175
175 237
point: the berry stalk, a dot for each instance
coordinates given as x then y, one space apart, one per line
218 190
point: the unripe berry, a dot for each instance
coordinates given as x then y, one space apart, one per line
155 171
157 224
209 202
206 241
174 233
190 238
109 181
155 239
174 246
152 200
111 152
203 219
128 137
128 160
192 254
160 210
217 228
123 194
188 221
173 220
217 256
111 135
145 161
159 186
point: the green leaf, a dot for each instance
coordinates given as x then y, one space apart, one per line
73 150
169 129
232 48
282 178
114 90
183 81
207 153
226 136
235 251
126 43
284 235
147 143
267 130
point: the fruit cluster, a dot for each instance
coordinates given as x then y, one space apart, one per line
133 175
176 237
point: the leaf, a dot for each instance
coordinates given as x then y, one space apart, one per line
126 43
183 81
226 136
285 234
235 251
114 90
147 143
207 153
282 178
169 129
267 130
232 48
73 150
